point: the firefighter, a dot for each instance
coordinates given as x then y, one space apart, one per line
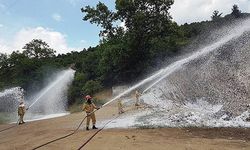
120 107
248 110
89 108
21 112
137 96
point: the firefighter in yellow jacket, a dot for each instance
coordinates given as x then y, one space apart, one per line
120 107
137 97
21 112
89 107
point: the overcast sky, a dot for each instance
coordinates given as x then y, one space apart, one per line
59 23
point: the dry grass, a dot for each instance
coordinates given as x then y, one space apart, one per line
75 108
104 95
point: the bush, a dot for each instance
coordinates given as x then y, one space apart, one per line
92 87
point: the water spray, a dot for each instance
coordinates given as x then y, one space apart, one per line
135 86
235 33
49 88
178 64
17 93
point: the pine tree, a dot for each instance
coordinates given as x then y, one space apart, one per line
235 11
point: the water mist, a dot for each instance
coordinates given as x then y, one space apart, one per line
50 101
209 87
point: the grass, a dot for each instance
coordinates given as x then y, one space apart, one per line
103 96
4 118
75 108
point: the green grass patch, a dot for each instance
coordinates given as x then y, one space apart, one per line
4 118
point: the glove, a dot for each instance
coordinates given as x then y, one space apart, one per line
27 108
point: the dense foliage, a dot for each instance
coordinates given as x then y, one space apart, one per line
125 53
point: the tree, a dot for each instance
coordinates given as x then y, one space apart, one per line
3 60
102 16
3 68
38 49
147 21
75 89
235 11
132 50
216 15
17 69
145 16
91 87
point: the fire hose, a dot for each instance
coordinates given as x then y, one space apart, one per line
72 133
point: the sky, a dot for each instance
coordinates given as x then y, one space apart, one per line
60 24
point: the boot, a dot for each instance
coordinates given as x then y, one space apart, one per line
94 127
87 128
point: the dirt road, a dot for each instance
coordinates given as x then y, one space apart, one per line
33 134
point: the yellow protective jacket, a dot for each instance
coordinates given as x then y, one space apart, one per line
88 107
21 110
